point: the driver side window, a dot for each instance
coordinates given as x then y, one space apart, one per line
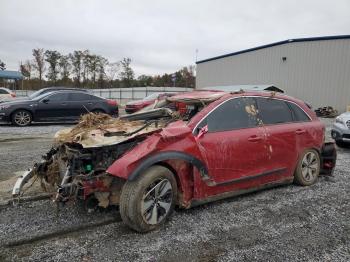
234 114
58 97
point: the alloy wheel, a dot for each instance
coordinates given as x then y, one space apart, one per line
156 201
22 118
309 166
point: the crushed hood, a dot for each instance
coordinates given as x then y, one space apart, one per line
96 130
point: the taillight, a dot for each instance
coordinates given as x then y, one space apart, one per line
112 102
13 94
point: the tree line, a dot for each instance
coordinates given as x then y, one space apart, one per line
82 68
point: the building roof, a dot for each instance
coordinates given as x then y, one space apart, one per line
309 39
235 88
11 74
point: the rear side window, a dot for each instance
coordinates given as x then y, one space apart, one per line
81 97
298 113
233 114
273 111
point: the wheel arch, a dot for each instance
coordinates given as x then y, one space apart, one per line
181 165
24 109
20 108
162 157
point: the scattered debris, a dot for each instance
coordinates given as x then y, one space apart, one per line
326 111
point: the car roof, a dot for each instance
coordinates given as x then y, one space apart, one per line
66 91
63 88
212 95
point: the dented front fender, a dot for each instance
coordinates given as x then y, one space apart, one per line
170 143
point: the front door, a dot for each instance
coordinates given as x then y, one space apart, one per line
234 146
54 107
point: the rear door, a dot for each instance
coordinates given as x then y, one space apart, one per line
81 103
309 134
234 146
282 149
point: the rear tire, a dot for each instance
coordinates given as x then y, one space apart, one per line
147 202
21 118
308 168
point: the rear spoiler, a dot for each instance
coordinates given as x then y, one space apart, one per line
328 159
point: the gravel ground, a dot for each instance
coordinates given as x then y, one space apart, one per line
21 147
288 223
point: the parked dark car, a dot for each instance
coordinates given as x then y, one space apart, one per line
59 106
134 106
55 88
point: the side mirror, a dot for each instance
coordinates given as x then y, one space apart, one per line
46 100
202 131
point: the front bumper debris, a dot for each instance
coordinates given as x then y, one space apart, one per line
21 181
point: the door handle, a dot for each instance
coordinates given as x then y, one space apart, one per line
300 131
254 138
63 104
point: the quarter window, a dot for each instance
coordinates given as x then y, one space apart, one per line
273 111
233 114
299 114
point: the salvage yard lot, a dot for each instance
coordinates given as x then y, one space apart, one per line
284 223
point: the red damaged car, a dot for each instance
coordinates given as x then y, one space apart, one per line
222 145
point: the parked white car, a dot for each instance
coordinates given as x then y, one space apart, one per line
341 129
6 94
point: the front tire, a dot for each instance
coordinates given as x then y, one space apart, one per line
21 118
308 168
147 202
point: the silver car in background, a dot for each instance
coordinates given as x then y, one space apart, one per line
341 130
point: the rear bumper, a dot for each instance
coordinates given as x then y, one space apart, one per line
328 159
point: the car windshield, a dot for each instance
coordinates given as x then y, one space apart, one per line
39 97
35 94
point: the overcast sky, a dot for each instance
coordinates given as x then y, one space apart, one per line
161 36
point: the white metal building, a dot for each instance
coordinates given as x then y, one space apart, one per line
316 70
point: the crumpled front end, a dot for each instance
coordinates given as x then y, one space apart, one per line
75 167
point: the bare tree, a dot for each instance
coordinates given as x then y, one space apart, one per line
126 73
52 57
39 62
112 71
26 69
2 65
77 65
101 70
86 60
65 67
